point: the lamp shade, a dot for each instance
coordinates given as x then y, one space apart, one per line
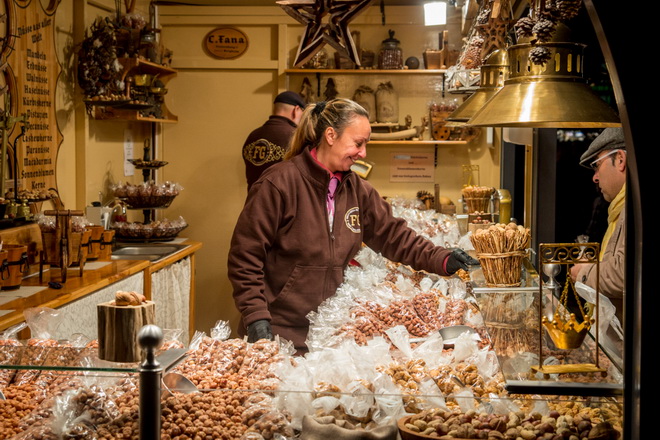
549 95
493 73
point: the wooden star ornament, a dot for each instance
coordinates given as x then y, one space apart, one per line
312 13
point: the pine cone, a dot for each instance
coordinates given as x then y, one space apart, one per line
567 9
539 55
472 57
483 16
423 195
544 29
524 27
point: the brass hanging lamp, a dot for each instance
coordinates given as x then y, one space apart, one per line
494 71
552 95
545 87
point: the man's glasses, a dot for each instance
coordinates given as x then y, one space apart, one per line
596 163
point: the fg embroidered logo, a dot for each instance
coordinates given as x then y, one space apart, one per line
262 151
352 219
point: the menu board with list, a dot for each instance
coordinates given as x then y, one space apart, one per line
31 73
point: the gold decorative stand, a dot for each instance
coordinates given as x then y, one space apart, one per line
568 333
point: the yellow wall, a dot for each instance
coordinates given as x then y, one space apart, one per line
217 103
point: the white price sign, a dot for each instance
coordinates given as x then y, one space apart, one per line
411 167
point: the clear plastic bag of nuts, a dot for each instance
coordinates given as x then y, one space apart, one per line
66 420
11 350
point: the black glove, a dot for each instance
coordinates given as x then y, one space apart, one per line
458 259
259 330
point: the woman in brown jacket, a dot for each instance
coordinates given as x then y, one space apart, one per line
307 217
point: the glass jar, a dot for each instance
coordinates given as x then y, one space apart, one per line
390 55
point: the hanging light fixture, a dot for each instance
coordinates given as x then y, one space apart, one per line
494 71
545 87
550 95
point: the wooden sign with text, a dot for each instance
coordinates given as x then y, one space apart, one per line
226 43
33 71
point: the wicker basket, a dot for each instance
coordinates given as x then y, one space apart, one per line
477 204
502 270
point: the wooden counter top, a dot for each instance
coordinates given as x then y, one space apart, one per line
77 286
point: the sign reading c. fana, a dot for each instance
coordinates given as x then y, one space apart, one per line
226 43
32 72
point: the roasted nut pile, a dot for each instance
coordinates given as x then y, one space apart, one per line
210 415
10 353
35 353
467 374
112 413
20 401
232 364
164 228
513 426
240 381
420 315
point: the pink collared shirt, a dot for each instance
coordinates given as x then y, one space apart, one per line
335 178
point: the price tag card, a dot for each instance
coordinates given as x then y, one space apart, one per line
412 167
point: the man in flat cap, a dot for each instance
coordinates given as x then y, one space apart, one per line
266 145
606 156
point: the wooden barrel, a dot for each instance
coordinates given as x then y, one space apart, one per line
79 247
4 267
107 240
17 265
95 241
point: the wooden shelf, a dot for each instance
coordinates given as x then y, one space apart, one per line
144 66
133 66
413 143
371 71
108 113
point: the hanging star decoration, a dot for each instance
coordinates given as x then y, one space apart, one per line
338 13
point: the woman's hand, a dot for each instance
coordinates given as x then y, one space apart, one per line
459 259
260 329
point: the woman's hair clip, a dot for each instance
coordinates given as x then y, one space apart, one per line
318 109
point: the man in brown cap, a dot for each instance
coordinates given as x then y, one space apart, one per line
266 145
606 156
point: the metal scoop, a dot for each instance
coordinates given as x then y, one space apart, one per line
177 382
449 334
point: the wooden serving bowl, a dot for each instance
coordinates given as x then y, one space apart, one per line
407 434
